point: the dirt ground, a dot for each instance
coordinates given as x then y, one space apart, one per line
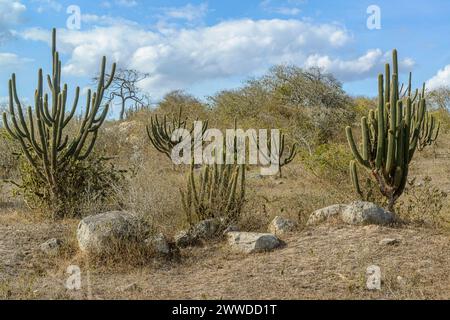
324 262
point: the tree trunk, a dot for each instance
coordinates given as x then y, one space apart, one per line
122 111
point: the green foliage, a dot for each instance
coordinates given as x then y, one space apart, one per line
9 149
328 161
93 181
218 192
390 135
44 141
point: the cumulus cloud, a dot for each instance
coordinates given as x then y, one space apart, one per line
10 60
188 12
10 14
441 79
177 58
358 68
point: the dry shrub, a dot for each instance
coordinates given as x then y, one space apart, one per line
153 193
422 204
88 187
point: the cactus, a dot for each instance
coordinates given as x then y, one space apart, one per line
390 135
429 132
280 148
218 193
160 132
41 134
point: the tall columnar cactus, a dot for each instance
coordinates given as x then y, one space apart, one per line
218 193
160 132
390 135
41 130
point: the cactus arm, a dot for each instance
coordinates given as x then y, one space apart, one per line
353 147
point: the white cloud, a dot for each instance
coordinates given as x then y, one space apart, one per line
188 12
354 69
105 20
290 9
441 79
10 14
177 58
45 5
9 60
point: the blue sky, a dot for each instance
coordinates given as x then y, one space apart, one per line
206 46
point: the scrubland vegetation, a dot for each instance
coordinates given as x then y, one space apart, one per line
50 183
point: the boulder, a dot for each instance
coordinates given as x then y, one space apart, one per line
184 239
249 242
106 232
281 225
325 213
51 247
206 229
231 228
363 213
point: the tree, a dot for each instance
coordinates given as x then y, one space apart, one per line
309 88
439 98
125 88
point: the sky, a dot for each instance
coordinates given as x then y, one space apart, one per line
206 46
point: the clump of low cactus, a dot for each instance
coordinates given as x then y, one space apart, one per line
42 131
391 135
217 192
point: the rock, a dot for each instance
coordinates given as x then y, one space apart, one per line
232 228
389 242
323 214
129 288
281 225
106 232
206 229
249 242
363 213
159 244
51 247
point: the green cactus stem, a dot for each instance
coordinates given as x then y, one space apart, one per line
391 134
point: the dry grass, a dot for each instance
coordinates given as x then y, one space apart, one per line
324 262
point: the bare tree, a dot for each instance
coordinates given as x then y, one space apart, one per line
124 87
440 98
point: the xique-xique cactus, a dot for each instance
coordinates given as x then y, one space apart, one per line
41 131
391 135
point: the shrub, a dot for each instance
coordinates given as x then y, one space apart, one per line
88 185
422 204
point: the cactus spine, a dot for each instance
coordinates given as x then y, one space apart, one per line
42 135
391 135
